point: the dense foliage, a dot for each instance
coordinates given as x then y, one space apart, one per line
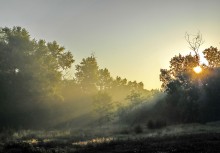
30 74
35 94
191 96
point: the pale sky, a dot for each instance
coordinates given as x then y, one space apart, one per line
132 38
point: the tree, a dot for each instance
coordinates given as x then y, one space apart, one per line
181 70
212 55
194 41
87 74
135 98
181 67
30 73
105 80
210 102
182 84
193 97
119 82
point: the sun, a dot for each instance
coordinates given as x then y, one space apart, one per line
197 69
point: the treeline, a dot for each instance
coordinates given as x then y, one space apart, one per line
34 92
190 96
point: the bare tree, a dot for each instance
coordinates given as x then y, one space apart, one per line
194 41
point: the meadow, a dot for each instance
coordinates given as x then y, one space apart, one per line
176 138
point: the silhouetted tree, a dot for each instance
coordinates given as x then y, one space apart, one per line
181 70
192 97
30 73
212 55
194 41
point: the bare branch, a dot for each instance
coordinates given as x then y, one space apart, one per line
194 41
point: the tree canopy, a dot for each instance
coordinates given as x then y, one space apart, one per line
87 74
193 96
30 72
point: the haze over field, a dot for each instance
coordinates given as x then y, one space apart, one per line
133 39
81 76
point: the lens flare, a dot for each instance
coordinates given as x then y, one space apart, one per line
197 69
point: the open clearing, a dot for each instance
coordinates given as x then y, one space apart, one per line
178 138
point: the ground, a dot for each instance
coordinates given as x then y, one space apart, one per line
179 138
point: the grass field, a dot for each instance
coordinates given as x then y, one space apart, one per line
176 138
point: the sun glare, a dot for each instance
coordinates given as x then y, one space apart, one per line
197 69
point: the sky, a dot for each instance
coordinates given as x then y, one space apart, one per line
134 39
